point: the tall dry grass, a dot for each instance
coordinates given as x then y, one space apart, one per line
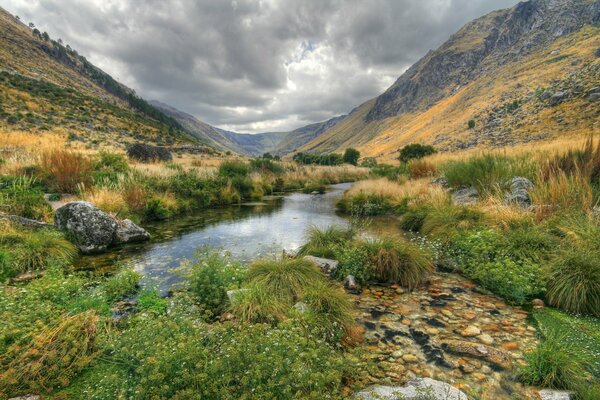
67 168
418 191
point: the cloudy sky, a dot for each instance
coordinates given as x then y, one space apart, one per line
254 65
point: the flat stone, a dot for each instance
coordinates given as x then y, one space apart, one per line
485 339
548 394
470 331
476 350
410 358
327 266
414 389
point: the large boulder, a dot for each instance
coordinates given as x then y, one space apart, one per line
465 196
93 230
327 266
147 153
519 191
128 232
414 389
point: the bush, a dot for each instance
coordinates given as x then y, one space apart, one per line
157 210
415 151
549 365
22 196
147 153
421 169
123 283
33 250
233 169
210 276
285 279
398 261
488 173
266 165
471 124
351 156
66 169
389 171
574 281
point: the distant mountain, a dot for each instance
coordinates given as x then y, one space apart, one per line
47 85
276 143
502 71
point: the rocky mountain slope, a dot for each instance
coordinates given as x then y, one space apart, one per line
502 71
276 143
47 85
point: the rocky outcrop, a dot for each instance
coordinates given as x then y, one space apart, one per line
465 196
519 191
93 230
480 46
327 266
147 153
414 389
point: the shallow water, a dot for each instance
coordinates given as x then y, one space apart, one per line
248 231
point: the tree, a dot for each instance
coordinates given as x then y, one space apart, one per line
45 36
31 25
471 124
351 156
415 151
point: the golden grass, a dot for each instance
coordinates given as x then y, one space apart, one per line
502 215
108 200
68 168
562 192
328 174
419 191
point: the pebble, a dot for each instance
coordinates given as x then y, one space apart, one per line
410 358
470 330
485 339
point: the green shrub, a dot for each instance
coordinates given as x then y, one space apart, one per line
209 278
231 169
23 196
257 304
549 365
488 173
329 302
412 220
156 210
471 124
353 260
574 281
121 284
33 250
365 204
415 151
285 279
266 165
322 242
351 156
149 300
398 261
389 171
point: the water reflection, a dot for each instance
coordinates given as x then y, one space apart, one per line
247 231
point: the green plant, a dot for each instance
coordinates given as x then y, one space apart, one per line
549 365
351 156
123 283
256 303
329 302
23 196
322 242
471 124
149 300
364 204
231 169
398 261
209 278
415 151
156 210
574 281
285 279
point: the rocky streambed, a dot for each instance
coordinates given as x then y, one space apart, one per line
449 330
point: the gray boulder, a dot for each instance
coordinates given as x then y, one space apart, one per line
558 98
327 266
441 181
465 196
90 228
519 191
128 232
548 394
93 230
414 389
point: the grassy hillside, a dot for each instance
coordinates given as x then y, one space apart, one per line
510 104
47 86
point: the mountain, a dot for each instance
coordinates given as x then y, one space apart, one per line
276 143
46 85
525 73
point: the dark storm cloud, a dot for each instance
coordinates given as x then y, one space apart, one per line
254 65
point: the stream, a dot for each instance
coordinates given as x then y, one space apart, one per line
450 329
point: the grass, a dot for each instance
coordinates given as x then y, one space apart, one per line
398 261
322 242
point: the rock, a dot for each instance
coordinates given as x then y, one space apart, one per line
26 222
441 181
519 191
594 97
301 307
465 196
327 266
476 350
537 304
410 358
548 394
26 397
147 153
91 229
470 331
234 294
485 339
557 98
597 53
350 282
414 389
128 232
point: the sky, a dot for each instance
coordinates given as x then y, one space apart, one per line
254 66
